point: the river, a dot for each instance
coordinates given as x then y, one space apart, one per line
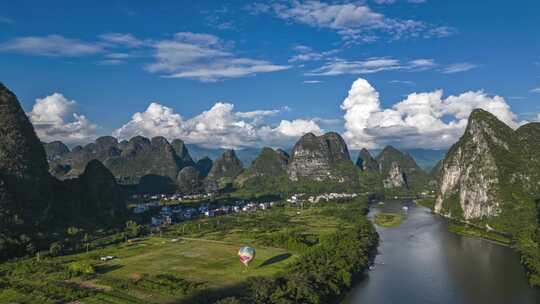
420 261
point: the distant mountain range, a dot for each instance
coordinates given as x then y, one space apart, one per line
426 158
246 155
316 162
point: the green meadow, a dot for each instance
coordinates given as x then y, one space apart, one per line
179 261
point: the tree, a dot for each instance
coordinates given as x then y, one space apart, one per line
133 229
86 240
74 234
55 249
83 267
73 231
31 248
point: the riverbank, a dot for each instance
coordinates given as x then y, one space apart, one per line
426 202
524 243
467 229
421 261
471 231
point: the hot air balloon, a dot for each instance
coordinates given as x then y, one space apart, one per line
246 254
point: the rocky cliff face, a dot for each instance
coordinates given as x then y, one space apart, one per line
190 180
29 195
399 170
226 167
395 178
366 162
55 151
318 158
143 157
485 172
21 153
32 202
153 163
182 152
23 166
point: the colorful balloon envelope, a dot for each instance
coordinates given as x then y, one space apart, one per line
246 254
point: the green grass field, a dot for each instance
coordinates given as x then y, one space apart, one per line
202 252
388 220
207 252
195 260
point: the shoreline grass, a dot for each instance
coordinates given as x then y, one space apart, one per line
388 220
426 202
475 232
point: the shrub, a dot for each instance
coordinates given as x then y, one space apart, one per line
321 273
81 268
55 249
166 284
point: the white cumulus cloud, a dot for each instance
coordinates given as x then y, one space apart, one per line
220 126
425 120
54 118
298 127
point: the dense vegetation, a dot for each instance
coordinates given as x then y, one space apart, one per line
322 273
196 260
46 281
281 185
165 284
507 170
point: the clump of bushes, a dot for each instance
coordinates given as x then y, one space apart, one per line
292 239
56 249
529 252
167 284
322 273
79 268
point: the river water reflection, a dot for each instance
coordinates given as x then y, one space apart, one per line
421 262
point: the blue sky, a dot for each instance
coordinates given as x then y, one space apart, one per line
287 68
